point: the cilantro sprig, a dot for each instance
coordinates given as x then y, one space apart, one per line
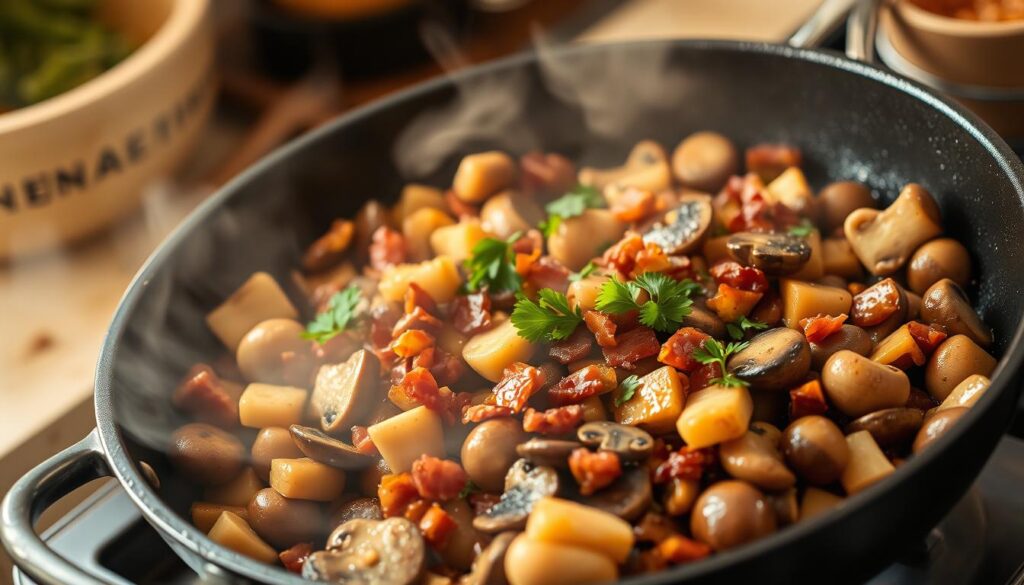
669 302
572 204
713 352
627 388
549 319
493 265
341 310
584 272
738 328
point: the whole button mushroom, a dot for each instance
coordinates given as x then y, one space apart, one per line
774 360
946 304
259 352
684 228
580 238
937 426
318 446
343 393
525 484
755 457
953 361
705 161
628 442
370 552
884 240
646 168
731 513
490 450
889 427
840 199
206 454
856 386
938 259
849 337
284 522
775 254
510 212
816 448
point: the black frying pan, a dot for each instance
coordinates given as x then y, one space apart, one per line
852 121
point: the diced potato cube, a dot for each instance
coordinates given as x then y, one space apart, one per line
258 299
791 189
529 562
815 267
867 463
966 393
236 492
899 349
574 524
657 402
418 229
483 174
802 299
266 405
582 294
714 415
415 197
305 479
439 277
205 515
231 531
490 352
402 438
457 241
817 501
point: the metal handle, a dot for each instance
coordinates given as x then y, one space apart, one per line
32 495
861 18
860 31
826 20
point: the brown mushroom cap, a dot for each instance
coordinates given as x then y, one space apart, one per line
318 446
705 161
775 254
755 457
343 393
946 304
938 259
489 451
840 199
937 426
707 321
628 497
646 167
630 443
816 448
774 360
489 565
731 513
884 240
284 522
370 552
549 452
890 427
849 337
684 227
525 484
206 454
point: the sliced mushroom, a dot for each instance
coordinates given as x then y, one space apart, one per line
685 227
884 240
775 360
646 168
489 565
343 393
549 452
525 484
776 254
628 442
318 446
707 321
755 457
890 427
628 497
946 304
370 552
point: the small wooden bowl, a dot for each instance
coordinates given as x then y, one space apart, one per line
74 163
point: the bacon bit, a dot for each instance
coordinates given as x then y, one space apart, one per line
415 296
436 526
446 368
701 378
482 501
686 463
582 384
362 442
418 318
770 160
573 348
731 303
738 276
546 174
480 412
294 557
471 314
525 261
396 492
743 205
678 549
383 319
920 400
329 248
205 396
387 248
602 326
678 350
631 347
594 471
769 310
927 337
518 383
547 273
654 528
806 400
633 204
528 242
553 421
876 303
416 509
438 479
419 385
412 342
622 255
459 207
818 328
653 259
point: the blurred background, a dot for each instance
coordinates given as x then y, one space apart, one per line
118 117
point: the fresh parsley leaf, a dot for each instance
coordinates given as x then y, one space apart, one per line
573 203
585 272
713 352
627 388
549 319
803 230
617 297
668 305
738 328
493 265
469 488
340 311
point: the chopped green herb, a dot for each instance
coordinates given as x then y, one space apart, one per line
493 265
468 489
550 319
572 204
803 230
585 272
627 388
713 352
738 328
340 312
669 302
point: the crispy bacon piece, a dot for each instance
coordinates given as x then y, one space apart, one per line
731 303
686 463
573 348
622 254
438 480
806 400
471 314
654 528
927 337
738 276
678 549
876 303
920 400
294 557
362 442
396 492
518 383
328 249
602 326
207 397
480 412
416 509
770 160
415 296
743 206
411 343
818 328
459 207
418 318
631 347
387 248
553 421
702 376
436 526
678 350
547 174
524 261
633 204
585 382
594 471
446 368
546 272
419 385
528 242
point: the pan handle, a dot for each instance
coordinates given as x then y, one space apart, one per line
32 495
861 18
860 31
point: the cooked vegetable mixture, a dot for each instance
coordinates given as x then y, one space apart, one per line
50 46
546 374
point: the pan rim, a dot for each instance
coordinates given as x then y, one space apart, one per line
171 524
